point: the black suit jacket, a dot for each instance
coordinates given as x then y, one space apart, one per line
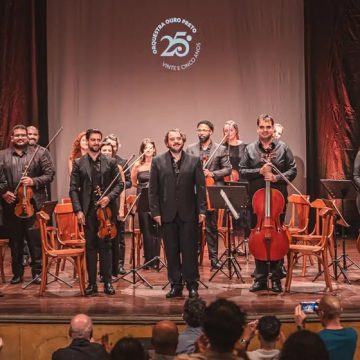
81 349
41 171
81 184
184 196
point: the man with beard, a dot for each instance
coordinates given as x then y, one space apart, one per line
253 167
90 172
118 246
178 204
41 172
218 167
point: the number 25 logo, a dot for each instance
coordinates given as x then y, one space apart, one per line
177 45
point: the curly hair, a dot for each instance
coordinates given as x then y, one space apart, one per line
76 149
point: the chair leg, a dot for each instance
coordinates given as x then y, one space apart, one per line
2 256
78 267
44 275
326 270
290 271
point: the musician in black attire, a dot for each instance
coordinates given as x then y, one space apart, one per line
178 204
253 168
89 172
120 225
13 161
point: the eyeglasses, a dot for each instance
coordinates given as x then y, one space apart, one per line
20 135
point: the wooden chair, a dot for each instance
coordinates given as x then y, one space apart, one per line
314 246
51 254
69 232
302 238
3 244
300 209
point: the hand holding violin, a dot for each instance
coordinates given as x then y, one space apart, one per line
266 171
27 181
208 173
9 197
104 202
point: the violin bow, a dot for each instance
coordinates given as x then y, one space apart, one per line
288 182
213 153
33 156
105 192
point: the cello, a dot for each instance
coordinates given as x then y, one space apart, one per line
268 240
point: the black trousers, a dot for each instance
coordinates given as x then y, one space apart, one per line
95 246
151 238
18 230
181 244
211 234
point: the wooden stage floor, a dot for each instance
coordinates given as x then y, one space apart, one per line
140 304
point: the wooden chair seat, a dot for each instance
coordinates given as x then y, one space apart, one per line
65 252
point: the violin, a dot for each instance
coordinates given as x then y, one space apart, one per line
107 229
268 240
23 208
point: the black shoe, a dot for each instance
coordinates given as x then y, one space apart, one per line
276 286
283 272
121 269
174 292
193 293
258 286
108 289
25 260
16 280
91 290
36 279
215 264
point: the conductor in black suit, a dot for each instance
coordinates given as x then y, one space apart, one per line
178 203
91 171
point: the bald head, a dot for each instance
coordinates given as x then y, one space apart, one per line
330 306
165 337
81 327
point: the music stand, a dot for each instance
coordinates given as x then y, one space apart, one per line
237 196
344 190
134 271
245 241
143 206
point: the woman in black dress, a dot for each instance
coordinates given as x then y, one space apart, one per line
236 149
140 176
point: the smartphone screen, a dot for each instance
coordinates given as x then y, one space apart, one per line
309 306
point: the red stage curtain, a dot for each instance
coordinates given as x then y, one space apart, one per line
333 89
18 75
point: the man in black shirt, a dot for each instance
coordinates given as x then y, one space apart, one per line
41 172
90 172
254 168
177 203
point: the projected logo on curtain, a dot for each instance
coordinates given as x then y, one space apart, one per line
175 42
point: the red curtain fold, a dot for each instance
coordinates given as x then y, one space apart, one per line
18 85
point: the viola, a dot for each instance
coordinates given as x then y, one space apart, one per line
23 208
107 229
268 240
233 177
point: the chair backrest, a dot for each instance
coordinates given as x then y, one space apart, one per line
300 209
47 241
318 205
327 223
66 222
